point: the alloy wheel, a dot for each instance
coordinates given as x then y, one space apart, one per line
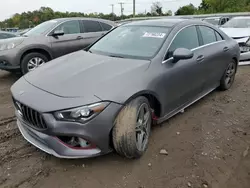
35 63
230 74
143 127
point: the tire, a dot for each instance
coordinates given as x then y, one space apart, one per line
30 56
230 71
126 133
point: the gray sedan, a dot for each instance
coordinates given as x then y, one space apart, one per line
106 98
50 40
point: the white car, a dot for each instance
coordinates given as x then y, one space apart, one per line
239 29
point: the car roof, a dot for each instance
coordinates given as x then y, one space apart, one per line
241 17
212 17
166 22
82 18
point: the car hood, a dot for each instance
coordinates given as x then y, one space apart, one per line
236 33
12 40
82 74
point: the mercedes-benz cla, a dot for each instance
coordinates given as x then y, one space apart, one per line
106 98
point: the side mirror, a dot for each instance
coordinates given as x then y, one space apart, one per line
182 53
58 33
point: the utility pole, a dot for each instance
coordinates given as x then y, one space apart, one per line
112 5
122 9
133 8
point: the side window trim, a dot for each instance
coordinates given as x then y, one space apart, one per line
202 46
194 49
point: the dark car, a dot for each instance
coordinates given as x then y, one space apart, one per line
50 40
6 35
217 21
107 97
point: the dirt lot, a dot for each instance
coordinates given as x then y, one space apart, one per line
207 146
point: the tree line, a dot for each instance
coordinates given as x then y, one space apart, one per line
215 6
31 19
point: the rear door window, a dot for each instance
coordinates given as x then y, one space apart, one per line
208 35
91 26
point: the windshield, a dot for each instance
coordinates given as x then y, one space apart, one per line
41 28
238 23
141 42
213 21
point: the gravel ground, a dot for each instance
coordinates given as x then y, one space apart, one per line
207 146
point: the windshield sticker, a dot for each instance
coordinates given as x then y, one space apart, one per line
154 35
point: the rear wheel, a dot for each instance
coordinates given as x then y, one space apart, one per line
32 61
132 128
228 76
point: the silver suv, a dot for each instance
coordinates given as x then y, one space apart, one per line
50 40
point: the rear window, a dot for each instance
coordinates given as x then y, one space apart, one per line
106 27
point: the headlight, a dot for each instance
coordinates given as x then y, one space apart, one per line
81 114
10 45
248 42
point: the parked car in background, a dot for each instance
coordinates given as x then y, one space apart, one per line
50 40
217 21
239 29
6 35
22 32
90 102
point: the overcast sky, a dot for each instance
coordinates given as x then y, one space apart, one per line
10 7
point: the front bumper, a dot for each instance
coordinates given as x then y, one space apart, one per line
10 60
245 56
97 132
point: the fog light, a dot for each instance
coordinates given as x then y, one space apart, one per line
75 142
83 143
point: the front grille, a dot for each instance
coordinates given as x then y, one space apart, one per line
32 117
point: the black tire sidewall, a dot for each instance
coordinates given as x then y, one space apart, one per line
125 140
28 57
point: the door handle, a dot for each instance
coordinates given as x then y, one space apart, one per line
79 38
200 58
225 49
